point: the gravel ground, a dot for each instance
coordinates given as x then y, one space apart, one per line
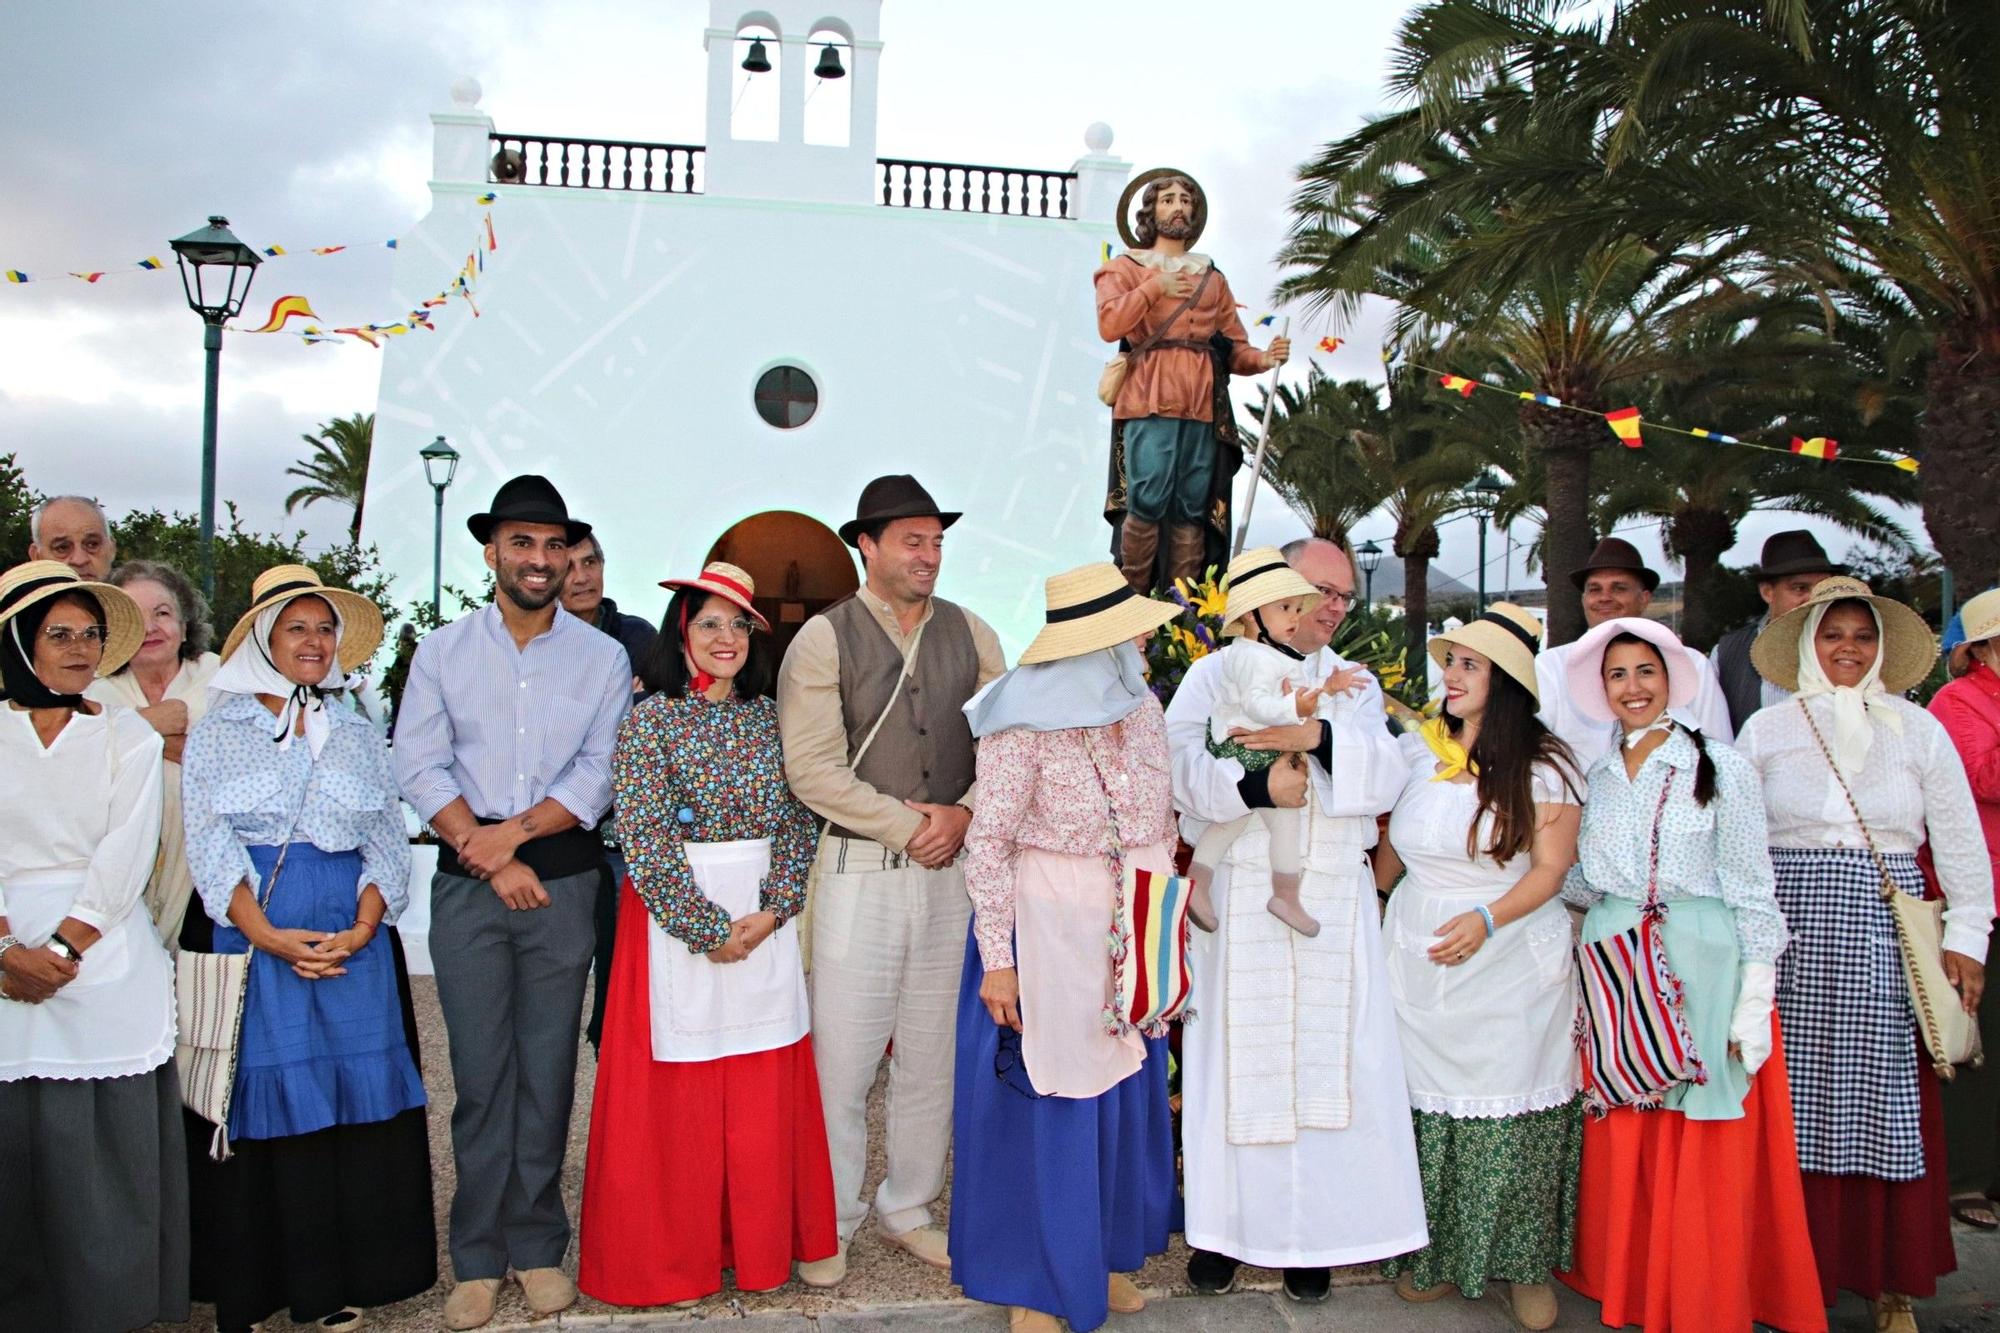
878 1275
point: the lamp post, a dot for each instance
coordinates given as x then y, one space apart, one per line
1370 556
212 263
1485 492
440 465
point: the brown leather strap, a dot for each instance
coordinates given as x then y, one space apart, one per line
1888 881
1152 339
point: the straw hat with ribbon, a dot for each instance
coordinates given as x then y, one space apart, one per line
1979 619
38 580
1090 609
1507 635
1908 646
360 619
1257 578
731 584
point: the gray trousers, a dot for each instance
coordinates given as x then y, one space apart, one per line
511 987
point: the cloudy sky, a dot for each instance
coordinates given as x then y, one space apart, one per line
128 125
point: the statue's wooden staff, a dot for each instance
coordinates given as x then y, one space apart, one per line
1263 441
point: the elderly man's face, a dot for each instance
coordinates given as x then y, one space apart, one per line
74 534
583 590
1323 565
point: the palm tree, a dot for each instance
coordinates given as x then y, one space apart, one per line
337 468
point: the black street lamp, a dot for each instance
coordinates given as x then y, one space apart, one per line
1484 492
1370 556
440 465
213 263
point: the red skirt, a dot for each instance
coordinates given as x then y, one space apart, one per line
1873 1235
696 1167
1699 1224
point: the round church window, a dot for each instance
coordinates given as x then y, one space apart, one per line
786 397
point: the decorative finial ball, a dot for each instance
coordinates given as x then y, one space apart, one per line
1098 138
467 92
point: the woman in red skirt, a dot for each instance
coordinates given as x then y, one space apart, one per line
707 1150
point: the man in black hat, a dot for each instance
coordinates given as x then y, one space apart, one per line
1615 582
1792 565
503 745
870 701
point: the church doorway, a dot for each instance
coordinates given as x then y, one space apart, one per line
800 566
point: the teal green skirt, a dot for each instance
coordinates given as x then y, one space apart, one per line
1700 935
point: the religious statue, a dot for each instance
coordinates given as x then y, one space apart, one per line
1174 445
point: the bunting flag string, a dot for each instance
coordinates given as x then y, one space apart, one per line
155 264
1625 422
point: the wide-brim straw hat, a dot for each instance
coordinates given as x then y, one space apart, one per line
1585 669
38 580
730 583
1980 620
1092 608
1908 647
1507 635
1257 578
360 619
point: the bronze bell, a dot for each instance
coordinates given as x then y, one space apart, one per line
757 62
829 64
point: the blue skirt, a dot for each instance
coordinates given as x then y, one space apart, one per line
317 1053
1052 1195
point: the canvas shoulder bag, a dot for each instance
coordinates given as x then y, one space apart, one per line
1632 1033
1951 1036
804 922
1112 380
1150 981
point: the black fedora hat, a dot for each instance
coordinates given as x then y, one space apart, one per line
897 496
1795 551
526 499
1616 553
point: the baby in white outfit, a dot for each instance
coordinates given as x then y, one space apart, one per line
1263 685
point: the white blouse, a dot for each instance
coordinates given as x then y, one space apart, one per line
73 807
1912 786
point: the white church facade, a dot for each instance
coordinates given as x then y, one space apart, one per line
717 344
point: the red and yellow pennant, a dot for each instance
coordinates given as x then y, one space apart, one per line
283 309
1819 446
1460 383
1329 344
1624 424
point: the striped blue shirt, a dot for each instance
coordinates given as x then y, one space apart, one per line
505 727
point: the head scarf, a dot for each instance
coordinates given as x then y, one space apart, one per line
251 671
1856 708
1091 690
18 681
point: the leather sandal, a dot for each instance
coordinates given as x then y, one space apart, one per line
1975 1210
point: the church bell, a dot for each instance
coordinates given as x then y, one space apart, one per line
829 64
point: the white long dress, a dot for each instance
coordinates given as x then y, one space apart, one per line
1312 1197
1490 1036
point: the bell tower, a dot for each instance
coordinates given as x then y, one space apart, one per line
790 167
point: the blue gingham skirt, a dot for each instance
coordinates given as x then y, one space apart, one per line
1850 1036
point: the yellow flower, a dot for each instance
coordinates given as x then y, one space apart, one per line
1209 601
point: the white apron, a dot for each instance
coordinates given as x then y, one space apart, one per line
703 1010
115 1019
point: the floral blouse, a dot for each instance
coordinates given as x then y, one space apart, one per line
1041 789
691 770
1712 851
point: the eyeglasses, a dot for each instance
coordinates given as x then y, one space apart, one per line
62 636
716 624
1010 1066
1333 594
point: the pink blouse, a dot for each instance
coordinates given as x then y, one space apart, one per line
1041 789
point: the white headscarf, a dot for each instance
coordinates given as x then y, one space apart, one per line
1856 708
1094 690
251 671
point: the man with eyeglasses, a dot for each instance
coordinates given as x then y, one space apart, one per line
1309 1189
503 746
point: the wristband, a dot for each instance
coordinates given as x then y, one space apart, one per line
1486 915
65 948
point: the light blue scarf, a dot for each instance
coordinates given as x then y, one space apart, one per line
1094 690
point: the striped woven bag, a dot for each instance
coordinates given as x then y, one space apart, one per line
1632 1032
1150 978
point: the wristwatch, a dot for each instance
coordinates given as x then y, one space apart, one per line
7 942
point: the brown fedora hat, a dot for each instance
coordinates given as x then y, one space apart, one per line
1616 553
1795 551
898 495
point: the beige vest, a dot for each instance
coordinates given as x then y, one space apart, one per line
924 750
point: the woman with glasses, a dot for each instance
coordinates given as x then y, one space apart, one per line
93 1180
707 1146
1063 1179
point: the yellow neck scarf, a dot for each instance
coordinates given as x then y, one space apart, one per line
1449 752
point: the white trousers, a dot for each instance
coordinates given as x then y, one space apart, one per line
888 950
